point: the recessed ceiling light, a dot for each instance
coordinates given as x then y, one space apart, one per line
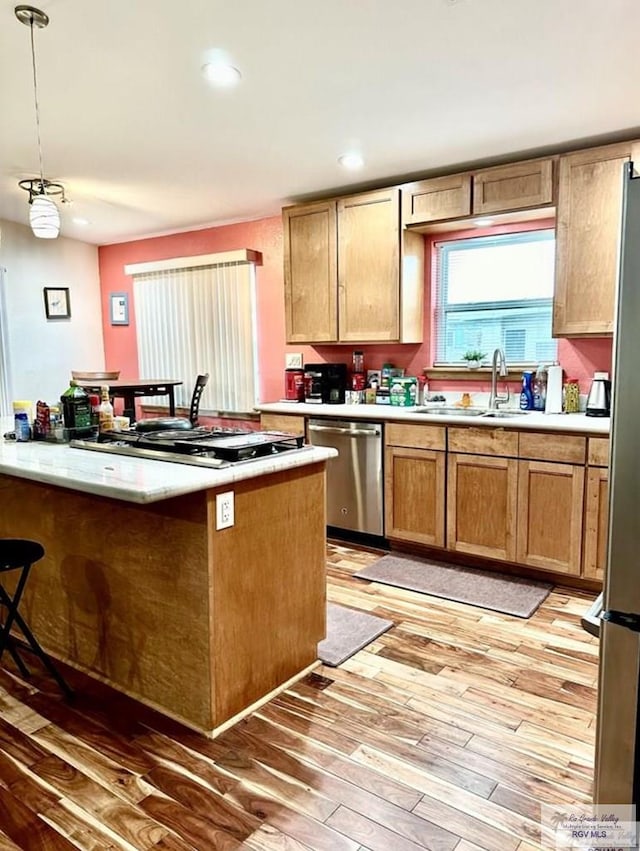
483 223
221 74
351 161
78 220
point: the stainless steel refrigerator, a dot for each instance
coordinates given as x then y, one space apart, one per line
617 774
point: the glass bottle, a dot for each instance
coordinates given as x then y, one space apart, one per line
105 411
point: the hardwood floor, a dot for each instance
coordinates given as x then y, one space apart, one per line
447 732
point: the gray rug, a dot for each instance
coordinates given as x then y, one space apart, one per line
347 632
512 595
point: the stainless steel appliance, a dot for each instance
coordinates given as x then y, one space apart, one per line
599 398
617 772
325 383
203 447
354 478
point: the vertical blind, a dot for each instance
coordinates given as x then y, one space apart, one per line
5 394
196 320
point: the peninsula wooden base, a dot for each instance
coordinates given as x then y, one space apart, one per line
153 600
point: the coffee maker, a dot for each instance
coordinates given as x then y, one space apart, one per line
599 398
325 383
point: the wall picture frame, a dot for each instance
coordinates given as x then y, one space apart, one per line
119 308
57 304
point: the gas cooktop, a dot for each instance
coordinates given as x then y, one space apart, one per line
208 447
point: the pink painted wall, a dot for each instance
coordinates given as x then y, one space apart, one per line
580 358
264 235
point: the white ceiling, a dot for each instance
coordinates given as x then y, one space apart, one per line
145 146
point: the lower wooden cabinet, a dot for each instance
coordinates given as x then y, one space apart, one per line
596 520
550 507
414 495
482 493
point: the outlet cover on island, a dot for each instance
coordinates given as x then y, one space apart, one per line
293 360
224 510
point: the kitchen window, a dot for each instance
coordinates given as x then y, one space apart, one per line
495 292
196 315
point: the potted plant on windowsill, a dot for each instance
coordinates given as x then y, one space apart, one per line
473 358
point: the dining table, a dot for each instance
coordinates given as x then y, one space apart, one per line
130 389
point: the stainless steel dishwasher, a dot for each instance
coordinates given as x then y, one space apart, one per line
354 478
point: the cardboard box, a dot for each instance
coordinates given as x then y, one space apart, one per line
403 392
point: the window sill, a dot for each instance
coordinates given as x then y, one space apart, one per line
482 373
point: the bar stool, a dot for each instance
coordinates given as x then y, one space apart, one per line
21 554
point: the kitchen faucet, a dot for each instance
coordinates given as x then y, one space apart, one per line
495 399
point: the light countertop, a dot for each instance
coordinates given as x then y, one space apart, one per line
135 479
535 421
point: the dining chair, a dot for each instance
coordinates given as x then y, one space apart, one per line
162 423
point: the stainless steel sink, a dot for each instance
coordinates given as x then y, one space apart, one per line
452 412
506 414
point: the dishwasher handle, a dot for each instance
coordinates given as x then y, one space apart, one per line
347 432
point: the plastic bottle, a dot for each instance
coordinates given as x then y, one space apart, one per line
21 419
540 388
105 411
526 394
76 407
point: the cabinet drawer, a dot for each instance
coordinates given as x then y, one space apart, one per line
484 441
416 436
567 448
282 422
598 455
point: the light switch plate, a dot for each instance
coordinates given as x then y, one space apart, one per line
293 360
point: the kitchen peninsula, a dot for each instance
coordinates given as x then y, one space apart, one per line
140 589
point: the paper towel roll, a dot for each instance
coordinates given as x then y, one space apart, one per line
553 404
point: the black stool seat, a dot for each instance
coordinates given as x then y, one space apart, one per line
21 554
16 552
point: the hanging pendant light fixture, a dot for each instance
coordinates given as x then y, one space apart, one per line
44 216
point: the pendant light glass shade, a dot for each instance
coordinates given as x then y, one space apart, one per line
44 218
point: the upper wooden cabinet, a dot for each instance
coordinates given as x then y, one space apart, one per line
513 187
588 232
310 272
436 198
502 189
350 276
369 267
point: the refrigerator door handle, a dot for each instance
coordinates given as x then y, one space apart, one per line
626 619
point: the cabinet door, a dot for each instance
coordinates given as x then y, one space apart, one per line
513 187
481 505
596 523
414 495
588 229
310 273
436 199
282 422
550 503
369 267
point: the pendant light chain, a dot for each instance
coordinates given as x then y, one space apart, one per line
35 98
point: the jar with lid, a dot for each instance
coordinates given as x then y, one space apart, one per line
571 396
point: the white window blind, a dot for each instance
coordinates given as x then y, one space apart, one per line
495 292
196 320
5 394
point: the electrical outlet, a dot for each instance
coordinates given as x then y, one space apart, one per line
224 510
293 360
